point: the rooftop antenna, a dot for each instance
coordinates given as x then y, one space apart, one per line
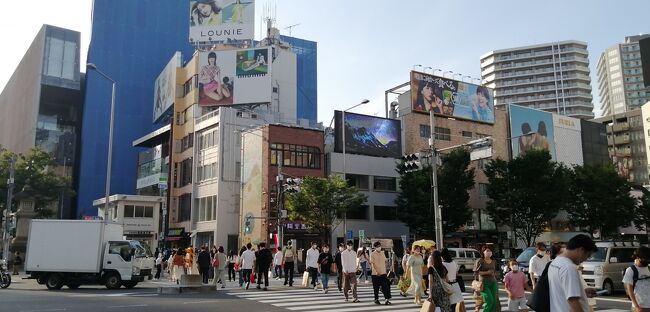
290 28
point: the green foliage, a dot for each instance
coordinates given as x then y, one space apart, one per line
526 192
600 199
34 168
414 201
320 201
642 212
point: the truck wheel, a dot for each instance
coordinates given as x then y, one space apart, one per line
129 284
73 285
113 281
54 281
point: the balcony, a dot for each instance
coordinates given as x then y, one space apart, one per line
618 140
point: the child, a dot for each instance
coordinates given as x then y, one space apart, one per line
516 284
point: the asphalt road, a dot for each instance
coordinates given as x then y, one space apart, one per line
26 295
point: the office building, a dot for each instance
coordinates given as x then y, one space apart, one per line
553 77
620 77
41 104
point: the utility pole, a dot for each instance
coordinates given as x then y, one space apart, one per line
437 212
280 204
10 192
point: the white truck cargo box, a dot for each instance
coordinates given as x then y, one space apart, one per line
68 245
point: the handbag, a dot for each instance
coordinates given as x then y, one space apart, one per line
428 306
445 286
404 284
477 286
333 268
215 262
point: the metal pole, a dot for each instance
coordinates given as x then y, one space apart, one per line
10 192
280 203
345 214
110 154
164 218
437 212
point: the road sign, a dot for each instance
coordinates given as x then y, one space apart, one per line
362 235
349 234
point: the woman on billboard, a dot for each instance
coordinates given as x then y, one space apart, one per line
541 138
428 98
205 13
210 78
481 109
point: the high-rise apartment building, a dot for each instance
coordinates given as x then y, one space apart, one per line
620 77
553 77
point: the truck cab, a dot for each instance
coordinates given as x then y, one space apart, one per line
132 260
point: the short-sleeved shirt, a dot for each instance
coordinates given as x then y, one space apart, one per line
247 259
565 283
642 288
537 264
482 266
325 261
516 283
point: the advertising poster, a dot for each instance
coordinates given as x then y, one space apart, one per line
234 77
165 87
221 20
531 129
451 98
568 140
368 135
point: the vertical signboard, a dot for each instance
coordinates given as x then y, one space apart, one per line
165 87
221 20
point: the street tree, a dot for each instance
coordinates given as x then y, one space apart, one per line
600 199
321 202
455 179
526 192
642 212
36 169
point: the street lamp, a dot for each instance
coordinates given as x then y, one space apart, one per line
416 66
345 216
92 66
454 75
449 71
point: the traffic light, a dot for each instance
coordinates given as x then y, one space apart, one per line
292 185
412 162
247 225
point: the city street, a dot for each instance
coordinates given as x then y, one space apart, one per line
26 295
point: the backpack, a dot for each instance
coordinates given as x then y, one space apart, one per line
541 299
635 277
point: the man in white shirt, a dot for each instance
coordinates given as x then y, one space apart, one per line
637 284
565 286
538 263
247 264
277 263
349 264
312 263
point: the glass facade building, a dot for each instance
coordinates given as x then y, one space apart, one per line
307 56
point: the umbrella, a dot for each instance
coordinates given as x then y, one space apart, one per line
425 243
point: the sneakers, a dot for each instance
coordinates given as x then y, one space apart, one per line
258 287
387 302
326 291
223 286
265 289
367 282
248 285
346 300
377 302
315 287
355 301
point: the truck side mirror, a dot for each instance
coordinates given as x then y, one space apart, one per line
613 260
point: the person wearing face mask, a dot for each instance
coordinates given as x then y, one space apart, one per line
485 268
349 264
312 263
637 280
538 263
288 259
325 261
516 284
339 267
379 275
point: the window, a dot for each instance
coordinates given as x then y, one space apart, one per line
185 207
425 131
237 170
385 213
138 211
361 182
190 85
385 184
296 156
129 211
205 209
467 134
184 172
358 213
482 189
443 134
123 249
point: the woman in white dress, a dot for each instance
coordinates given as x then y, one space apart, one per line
456 298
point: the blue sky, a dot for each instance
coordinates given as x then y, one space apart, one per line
368 46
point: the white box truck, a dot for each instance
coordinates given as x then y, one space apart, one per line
78 252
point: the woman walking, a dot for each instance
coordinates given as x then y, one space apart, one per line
452 277
437 274
179 265
485 268
414 266
232 259
362 258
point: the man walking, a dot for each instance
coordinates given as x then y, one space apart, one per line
263 266
204 264
277 263
339 267
288 259
637 280
312 263
379 275
325 261
565 285
349 263
538 263
247 263
221 263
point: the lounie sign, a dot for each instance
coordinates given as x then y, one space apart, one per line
221 20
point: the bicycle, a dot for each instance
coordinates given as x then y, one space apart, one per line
5 275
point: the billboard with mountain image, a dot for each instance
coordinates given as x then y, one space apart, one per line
368 135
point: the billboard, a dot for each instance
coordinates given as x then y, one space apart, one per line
221 20
644 46
234 77
165 87
368 135
451 98
531 129
568 140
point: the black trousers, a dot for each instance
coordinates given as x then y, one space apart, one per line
231 272
339 278
205 273
288 273
158 269
247 275
381 281
263 273
313 273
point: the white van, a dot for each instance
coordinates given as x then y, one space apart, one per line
603 270
465 257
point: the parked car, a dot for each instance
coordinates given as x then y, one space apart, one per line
603 270
465 257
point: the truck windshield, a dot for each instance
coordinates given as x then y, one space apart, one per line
141 249
598 256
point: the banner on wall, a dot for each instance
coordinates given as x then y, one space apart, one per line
221 20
